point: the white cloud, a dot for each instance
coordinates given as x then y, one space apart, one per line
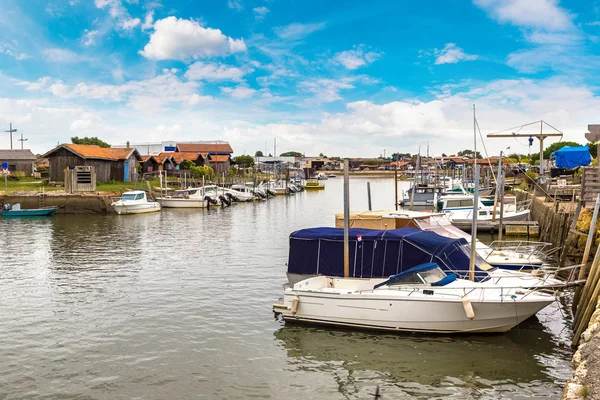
214 72
89 37
130 23
358 130
358 57
326 90
297 31
162 90
239 92
181 39
148 21
537 14
59 55
260 12
9 50
196 99
235 5
452 54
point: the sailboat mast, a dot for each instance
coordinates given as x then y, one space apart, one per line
475 202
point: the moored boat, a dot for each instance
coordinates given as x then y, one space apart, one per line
135 202
186 198
313 184
16 211
422 299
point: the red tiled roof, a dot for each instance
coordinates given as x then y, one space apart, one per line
93 151
399 163
205 147
162 157
219 158
179 157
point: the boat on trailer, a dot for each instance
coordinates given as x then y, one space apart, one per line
421 299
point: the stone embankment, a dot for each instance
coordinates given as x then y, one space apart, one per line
66 203
585 383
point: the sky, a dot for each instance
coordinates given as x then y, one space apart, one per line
343 78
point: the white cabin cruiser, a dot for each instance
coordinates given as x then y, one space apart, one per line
421 299
186 198
512 255
239 193
460 207
135 202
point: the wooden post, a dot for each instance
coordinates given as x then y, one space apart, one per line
346 219
369 195
396 183
590 283
588 248
501 198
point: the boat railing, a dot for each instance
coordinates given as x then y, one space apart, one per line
526 248
524 205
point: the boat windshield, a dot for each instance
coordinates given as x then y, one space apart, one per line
432 275
131 196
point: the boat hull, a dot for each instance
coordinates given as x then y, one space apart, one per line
183 203
124 209
36 212
410 315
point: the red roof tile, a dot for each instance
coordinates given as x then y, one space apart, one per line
205 147
219 158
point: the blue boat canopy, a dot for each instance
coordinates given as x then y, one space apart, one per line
572 157
377 253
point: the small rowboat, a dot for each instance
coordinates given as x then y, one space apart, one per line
17 211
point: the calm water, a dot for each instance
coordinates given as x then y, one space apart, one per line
178 305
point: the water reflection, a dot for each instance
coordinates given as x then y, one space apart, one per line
459 366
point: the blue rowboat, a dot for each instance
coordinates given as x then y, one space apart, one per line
32 212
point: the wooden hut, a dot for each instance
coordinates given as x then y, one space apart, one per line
197 158
118 164
18 160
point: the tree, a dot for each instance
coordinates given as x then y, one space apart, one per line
322 155
259 154
89 140
291 154
468 153
244 161
197 172
400 156
593 149
555 146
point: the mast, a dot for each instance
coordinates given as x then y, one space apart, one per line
475 202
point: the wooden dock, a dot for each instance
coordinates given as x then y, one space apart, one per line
515 228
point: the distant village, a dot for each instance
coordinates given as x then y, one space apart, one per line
129 161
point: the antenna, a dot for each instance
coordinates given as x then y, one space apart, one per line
22 140
11 130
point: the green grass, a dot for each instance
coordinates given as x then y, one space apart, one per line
35 185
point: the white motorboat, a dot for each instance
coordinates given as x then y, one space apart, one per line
321 176
186 198
239 193
135 202
216 195
421 299
460 207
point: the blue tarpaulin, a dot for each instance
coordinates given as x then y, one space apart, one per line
572 157
375 253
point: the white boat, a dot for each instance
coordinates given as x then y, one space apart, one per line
186 198
216 195
460 207
135 202
238 193
321 176
421 299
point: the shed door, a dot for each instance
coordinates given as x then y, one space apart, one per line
126 169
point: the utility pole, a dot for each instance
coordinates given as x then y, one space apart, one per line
22 140
11 130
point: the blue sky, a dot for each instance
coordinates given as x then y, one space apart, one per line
343 78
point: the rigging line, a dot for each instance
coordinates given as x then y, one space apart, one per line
519 126
485 150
